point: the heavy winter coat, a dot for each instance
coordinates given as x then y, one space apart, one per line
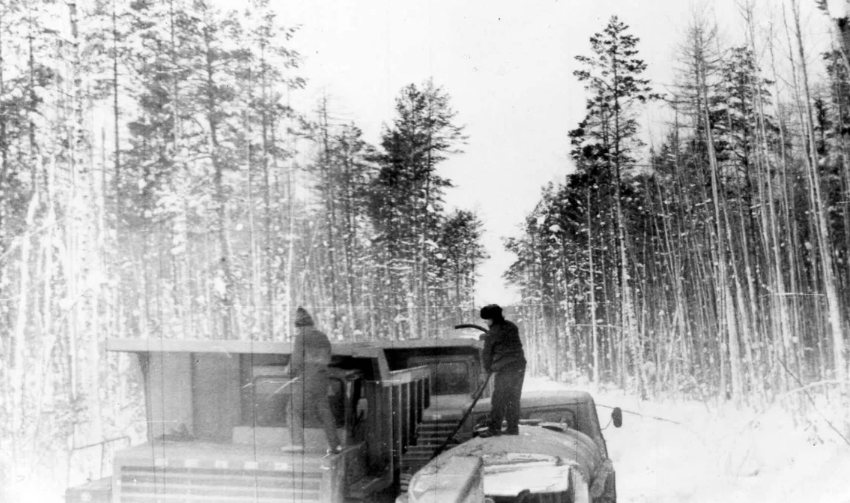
502 348
311 348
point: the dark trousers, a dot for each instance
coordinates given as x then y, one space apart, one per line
507 391
310 398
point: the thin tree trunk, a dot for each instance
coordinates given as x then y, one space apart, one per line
290 255
723 280
330 203
83 223
255 286
116 114
33 98
627 315
778 301
788 210
348 241
844 278
183 266
594 334
269 328
4 207
822 227
4 147
226 293
18 368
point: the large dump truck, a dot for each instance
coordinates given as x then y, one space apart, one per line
216 426
216 420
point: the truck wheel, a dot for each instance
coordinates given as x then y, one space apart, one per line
610 493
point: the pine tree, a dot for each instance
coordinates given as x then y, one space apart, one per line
408 197
459 254
613 76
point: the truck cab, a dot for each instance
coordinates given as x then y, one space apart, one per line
559 456
455 365
217 422
457 375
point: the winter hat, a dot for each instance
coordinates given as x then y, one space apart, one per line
303 318
491 312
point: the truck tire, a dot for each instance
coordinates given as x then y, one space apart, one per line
610 493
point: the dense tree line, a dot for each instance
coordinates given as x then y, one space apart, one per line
712 263
156 182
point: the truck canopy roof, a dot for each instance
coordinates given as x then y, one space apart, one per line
154 345
361 351
428 343
386 356
275 347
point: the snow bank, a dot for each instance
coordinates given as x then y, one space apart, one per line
719 453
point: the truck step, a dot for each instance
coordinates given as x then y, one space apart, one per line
435 424
417 461
366 486
439 439
435 427
420 453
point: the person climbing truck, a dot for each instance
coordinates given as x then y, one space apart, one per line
311 354
504 358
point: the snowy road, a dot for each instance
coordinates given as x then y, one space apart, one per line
719 455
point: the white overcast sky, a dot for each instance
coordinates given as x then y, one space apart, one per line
507 66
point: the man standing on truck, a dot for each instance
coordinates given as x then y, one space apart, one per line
311 354
503 356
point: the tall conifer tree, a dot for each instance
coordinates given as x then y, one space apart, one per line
613 77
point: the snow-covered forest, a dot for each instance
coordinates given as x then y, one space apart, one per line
157 181
717 264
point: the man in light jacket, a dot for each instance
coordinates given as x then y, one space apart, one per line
311 354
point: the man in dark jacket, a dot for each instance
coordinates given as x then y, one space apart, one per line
504 357
311 354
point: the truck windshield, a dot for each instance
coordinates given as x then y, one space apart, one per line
450 378
272 400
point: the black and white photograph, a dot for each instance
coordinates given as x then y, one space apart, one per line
424 251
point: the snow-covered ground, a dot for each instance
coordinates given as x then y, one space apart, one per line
719 454
713 454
